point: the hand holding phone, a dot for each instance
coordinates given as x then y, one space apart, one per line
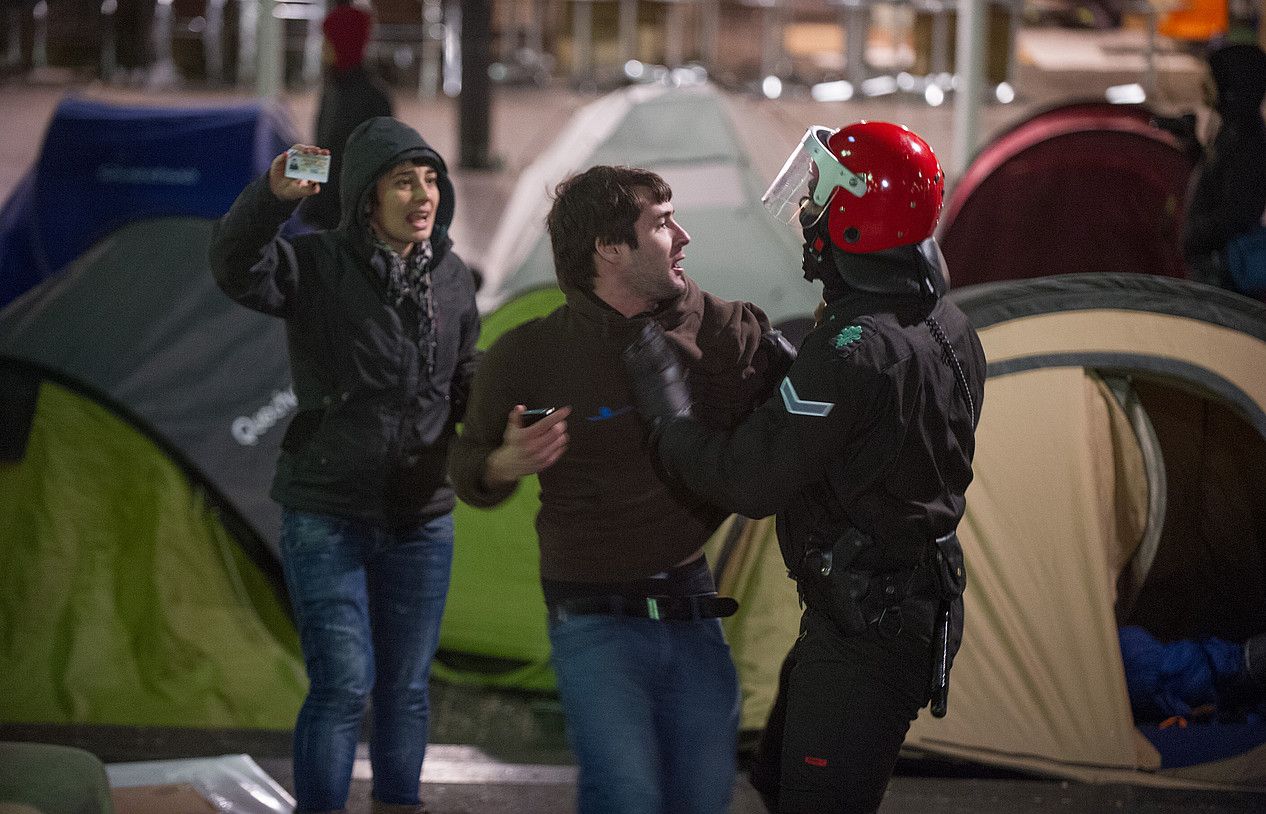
530 417
527 453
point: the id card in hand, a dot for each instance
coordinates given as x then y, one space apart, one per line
307 166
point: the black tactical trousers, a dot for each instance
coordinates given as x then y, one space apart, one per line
843 708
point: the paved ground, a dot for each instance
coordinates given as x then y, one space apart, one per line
506 732
495 752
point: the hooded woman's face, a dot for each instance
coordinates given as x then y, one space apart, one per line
407 198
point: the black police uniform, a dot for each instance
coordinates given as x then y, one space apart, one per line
865 455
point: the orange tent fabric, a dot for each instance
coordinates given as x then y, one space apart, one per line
1196 20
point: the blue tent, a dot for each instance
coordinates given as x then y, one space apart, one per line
103 166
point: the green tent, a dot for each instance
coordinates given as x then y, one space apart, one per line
737 250
495 608
125 598
135 589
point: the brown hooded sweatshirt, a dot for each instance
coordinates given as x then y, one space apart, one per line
605 515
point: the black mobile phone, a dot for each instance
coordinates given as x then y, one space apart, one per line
530 417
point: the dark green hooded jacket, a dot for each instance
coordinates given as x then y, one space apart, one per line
372 430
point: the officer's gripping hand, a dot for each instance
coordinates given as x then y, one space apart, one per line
780 351
657 378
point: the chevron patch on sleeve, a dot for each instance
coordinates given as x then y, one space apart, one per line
798 406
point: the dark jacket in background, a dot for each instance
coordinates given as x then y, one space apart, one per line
1228 189
348 97
370 438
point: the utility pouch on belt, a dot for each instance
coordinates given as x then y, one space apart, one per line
828 585
947 635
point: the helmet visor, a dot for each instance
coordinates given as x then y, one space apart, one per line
801 190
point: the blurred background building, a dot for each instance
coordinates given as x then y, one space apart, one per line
587 42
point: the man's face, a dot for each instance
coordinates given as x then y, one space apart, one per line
408 198
653 270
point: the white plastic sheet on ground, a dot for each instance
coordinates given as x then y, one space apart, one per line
230 783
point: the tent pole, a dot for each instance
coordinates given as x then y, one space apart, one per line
268 77
969 50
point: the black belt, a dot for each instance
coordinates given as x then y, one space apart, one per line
681 608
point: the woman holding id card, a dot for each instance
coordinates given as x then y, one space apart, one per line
381 321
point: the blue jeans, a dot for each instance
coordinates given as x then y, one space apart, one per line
652 711
368 602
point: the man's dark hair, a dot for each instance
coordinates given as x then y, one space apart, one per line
600 204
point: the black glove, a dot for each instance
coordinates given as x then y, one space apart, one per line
657 378
781 354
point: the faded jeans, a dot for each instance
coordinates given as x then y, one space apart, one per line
652 713
368 602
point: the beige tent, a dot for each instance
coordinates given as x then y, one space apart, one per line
1120 477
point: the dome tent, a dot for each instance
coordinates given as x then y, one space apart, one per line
110 165
1171 537
141 590
132 417
1083 187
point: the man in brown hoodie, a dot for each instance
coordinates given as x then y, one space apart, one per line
645 677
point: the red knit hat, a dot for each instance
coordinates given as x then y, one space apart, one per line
347 30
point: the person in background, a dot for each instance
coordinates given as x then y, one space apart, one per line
1227 194
648 689
349 95
381 326
1199 678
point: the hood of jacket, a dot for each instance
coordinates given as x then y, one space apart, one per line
373 148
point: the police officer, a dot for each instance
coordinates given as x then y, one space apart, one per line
864 455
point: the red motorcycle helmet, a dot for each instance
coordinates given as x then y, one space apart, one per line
878 184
